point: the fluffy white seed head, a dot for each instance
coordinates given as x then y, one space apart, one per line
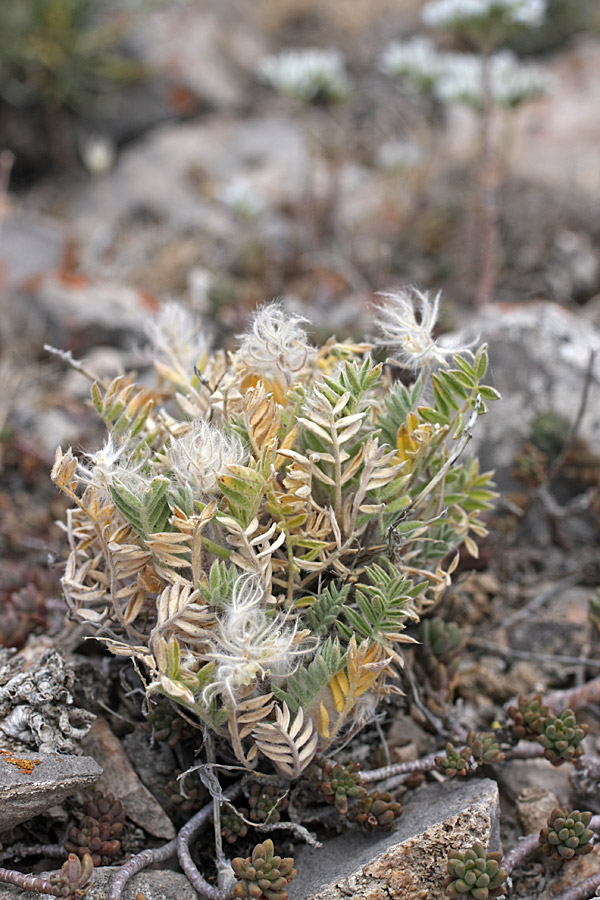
477 13
307 75
178 342
250 644
199 456
113 461
275 348
406 320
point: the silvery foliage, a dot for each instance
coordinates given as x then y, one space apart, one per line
477 13
307 75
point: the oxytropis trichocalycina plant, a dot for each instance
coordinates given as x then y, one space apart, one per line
261 525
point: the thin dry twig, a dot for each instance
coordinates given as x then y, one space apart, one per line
549 658
574 698
541 598
51 851
559 462
582 891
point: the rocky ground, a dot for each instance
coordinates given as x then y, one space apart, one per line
224 196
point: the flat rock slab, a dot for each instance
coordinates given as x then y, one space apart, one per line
410 862
55 779
155 884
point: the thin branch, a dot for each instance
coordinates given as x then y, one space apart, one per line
541 598
187 833
299 830
27 882
574 698
582 891
50 851
576 424
139 862
510 653
427 763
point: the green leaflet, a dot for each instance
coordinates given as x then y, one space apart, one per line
147 511
325 611
305 685
384 605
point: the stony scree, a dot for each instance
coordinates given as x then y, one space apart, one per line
409 863
51 782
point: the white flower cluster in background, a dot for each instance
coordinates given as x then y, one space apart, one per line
511 82
416 58
466 13
309 75
458 77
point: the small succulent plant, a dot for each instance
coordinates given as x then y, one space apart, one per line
561 737
263 876
527 718
455 762
182 805
266 803
233 826
98 829
340 783
377 811
73 879
484 747
167 725
437 656
567 834
474 873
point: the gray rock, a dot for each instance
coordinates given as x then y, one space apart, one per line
539 354
179 180
410 862
208 51
155 884
32 245
54 779
121 780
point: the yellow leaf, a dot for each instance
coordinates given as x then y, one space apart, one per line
323 721
339 688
